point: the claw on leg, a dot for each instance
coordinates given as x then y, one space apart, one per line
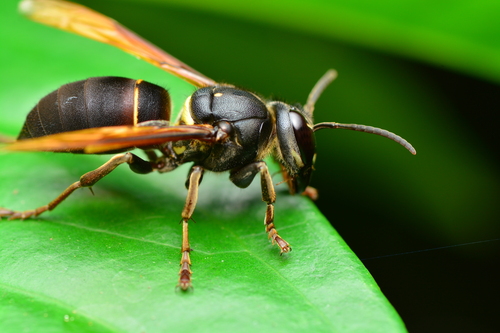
21 215
185 271
272 233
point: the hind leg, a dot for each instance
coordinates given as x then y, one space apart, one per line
87 180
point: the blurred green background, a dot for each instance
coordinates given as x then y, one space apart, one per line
426 70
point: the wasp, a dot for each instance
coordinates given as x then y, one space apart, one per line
220 127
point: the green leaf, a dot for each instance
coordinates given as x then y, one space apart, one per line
462 35
109 262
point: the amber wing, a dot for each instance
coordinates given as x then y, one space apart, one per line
91 24
104 139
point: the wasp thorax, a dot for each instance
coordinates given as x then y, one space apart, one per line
242 120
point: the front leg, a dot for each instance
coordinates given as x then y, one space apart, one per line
243 177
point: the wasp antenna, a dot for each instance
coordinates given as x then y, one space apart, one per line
369 129
318 89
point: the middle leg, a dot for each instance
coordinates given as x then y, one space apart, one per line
193 183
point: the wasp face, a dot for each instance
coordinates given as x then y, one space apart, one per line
296 144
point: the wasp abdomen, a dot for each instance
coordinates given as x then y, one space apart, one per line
97 102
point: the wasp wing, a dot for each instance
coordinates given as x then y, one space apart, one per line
91 24
105 139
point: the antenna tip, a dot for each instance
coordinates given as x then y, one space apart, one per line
332 74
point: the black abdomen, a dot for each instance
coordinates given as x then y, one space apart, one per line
97 102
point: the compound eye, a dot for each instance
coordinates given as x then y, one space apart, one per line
304 136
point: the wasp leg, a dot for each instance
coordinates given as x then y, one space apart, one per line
193 184
309 192
243 177
87 180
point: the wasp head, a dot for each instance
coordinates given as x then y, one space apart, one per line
295 129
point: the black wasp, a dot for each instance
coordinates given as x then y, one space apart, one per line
220 128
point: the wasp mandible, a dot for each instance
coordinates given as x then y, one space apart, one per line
220 127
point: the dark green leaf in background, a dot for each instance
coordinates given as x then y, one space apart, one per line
462 34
